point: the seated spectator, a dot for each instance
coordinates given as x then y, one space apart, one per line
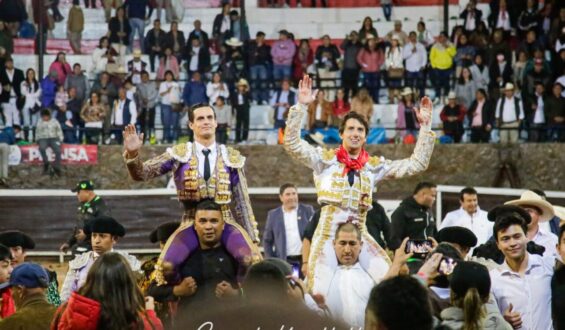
111 272
282 52
481 117
367 29
500 73
470 290
78 80
402 36
319 112
303 59
465 88
480 72
406 121
241 102
93 113
362 103
471 16
464 55
370 59
327 56
216 88
29 282
176 41
62 67
155 40
194 91
282 100
136 66
101 56
555 112
259 61
197 57
49 134
452 116
199 34
223 118
119 32
340 108
31 93
394 68
509 113
168 62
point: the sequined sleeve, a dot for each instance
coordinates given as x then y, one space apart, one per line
416 163
294 145
152 168
244 213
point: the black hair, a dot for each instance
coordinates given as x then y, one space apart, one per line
5 253
208 205
357 116
196 107
507 220
348 227
391 299
539 192
423 185
263 281
285 187
468 191
260 33
45 112
483 92
561 233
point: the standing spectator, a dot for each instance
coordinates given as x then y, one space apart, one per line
350 72
367 29
362 103
222 25
452 115
509 114
78 80
340 108
500 73
223 119
465 88
319 112
167 4
481 117
41 17
216 88
49 90
402 36
480 72
135 67
238 29
416 57
169 92
72 118
199 34
371 58
395 68
62 67
259 61
555 112
241 103
147 93
406 121
194 91
413 218
11 80
124 112
119 33
198 57
464 55
137 13
535 114
501 18
94 113
282 52
154 42
101 56
6 44
168 62
176 41
538 75
107 93
327 56
282 101
49 134
7 138
518 69
90 4
75 26
108 4
471 16
424 36
441 61
496 46
387 9
302 61
31 93
529 19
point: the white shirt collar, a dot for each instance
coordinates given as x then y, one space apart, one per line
200 147
354 266
533 261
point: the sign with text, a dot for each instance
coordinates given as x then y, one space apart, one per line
71 154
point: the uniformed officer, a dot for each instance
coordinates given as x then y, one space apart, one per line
91 206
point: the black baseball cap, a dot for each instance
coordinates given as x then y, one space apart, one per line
83 185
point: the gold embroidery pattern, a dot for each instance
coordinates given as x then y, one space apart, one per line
321 235
374 161
328 154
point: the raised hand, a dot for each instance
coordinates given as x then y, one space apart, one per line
132 141
424 113
305 94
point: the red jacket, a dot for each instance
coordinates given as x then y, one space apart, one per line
8 307
82 313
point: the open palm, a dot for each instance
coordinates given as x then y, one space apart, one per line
132 141
305 94
424 113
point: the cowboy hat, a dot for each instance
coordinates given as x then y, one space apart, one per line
530 198
509 87
451 96
242 82
234 42
559 212
137 53
369 36
406 91
318 138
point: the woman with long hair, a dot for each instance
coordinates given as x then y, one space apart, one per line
319 112
111 297
93 113
367 29
362 103
62 67
100 56
395 68
31 93
216 88
470 288
169 91
370 59
168 62
465 88
340 107
406 120
303 58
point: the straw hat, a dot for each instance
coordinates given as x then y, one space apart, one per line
509 87
406 91
242 82
530 198
559 212
451 96
318 138
369 36
234 42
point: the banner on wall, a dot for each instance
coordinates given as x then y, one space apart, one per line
71 154
201 3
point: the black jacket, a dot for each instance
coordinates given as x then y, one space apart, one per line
203 58
15 84
151 41
411 220
258 55
487 113
114 28
202 35
378 225
170 41
216 28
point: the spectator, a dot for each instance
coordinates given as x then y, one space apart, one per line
452 115
221 28
61 99
424 36
78 80
6 44
41 16
75 26
13 13
362 103
533 77
500 73
509 114
387 9
223 118
31 93
168 62
6 269
461 238
176 41
147 93
480 37
340 108
497 46
90 4
135 67
406 121
530 65
535 114
367 29
519 68
402 36
282 53
169 91
395 68
555 112
72 118
456 34
216 88
259 62
413 218
11 80
241 103
168 5
529 19
319 112
28 282
238 29
481 117
501 18
101 56
282 101
466 88
108 5
441 61
371 58
199 34
7 138
136 13
232 65
198 57
106 89
557 26
94 113
327 56
415 55
439 286
111 272
62 67
49 134
194 91
303 59
124 112
464 55
530 44
471 16
119 33
350 72
154 43
480 72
